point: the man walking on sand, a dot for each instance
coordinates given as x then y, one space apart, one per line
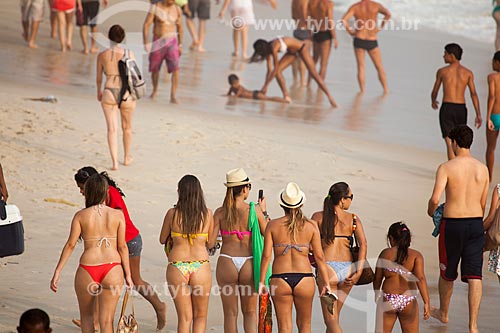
200 8
86 17
455 79
365 31
31 15
167 43
461 235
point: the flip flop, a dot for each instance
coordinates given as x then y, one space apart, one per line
329 300
77 322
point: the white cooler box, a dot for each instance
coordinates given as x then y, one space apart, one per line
11 232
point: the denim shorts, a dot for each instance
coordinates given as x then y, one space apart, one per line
135 246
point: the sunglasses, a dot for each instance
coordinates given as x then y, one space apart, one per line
349 196
249 186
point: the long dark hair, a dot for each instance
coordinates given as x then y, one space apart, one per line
335 194
84 173
401 236
96 190
230 211
262 49
190 210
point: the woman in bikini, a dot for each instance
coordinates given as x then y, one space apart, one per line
291 48
189 224
65 10
111 97
134 243
338 227
104 262
235 273
400 268
292 281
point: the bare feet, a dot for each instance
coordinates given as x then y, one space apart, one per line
161 317
234 54
25 36
200 49
193 46
288 99
153 95
69 46
436 313
63 49
32 45
85 51
174 100
114 167
128 160
94 49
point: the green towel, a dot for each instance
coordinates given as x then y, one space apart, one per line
257 246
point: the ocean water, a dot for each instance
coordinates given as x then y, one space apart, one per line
467 18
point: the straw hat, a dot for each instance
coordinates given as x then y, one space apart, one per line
236 177
291 196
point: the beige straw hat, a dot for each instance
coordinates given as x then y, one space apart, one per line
291 196
236 177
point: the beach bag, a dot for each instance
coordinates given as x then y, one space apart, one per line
257 246
127 323
492 237
367 276
132 79
11 230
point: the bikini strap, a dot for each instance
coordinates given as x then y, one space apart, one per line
238 233
291 246
106 241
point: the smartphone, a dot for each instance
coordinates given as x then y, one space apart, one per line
261 194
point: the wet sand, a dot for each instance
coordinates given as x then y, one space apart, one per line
386 148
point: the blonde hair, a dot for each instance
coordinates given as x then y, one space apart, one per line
295 222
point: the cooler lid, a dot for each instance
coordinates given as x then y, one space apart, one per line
13 215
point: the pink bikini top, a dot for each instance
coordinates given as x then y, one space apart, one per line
238 233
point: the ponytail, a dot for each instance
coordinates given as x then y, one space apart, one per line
336 192
401 236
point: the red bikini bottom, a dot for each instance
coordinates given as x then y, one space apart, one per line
99 272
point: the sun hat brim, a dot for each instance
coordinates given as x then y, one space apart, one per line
234 184
283 203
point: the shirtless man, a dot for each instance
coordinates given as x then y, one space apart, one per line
455 79
238 90
167 42
493 113
300 15
321 12
365 31
461 237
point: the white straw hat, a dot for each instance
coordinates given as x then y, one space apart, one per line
291 196
236 177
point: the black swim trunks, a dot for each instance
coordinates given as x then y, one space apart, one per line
90 9
364 44
255 94
461 240
302 34
450 116
322 36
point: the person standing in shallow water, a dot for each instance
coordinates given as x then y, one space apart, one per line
455 78
493 115
113 98
365 13
166 18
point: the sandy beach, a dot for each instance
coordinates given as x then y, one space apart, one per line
386 148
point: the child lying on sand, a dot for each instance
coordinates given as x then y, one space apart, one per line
239 91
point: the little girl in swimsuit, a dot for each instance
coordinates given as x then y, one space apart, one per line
402 270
